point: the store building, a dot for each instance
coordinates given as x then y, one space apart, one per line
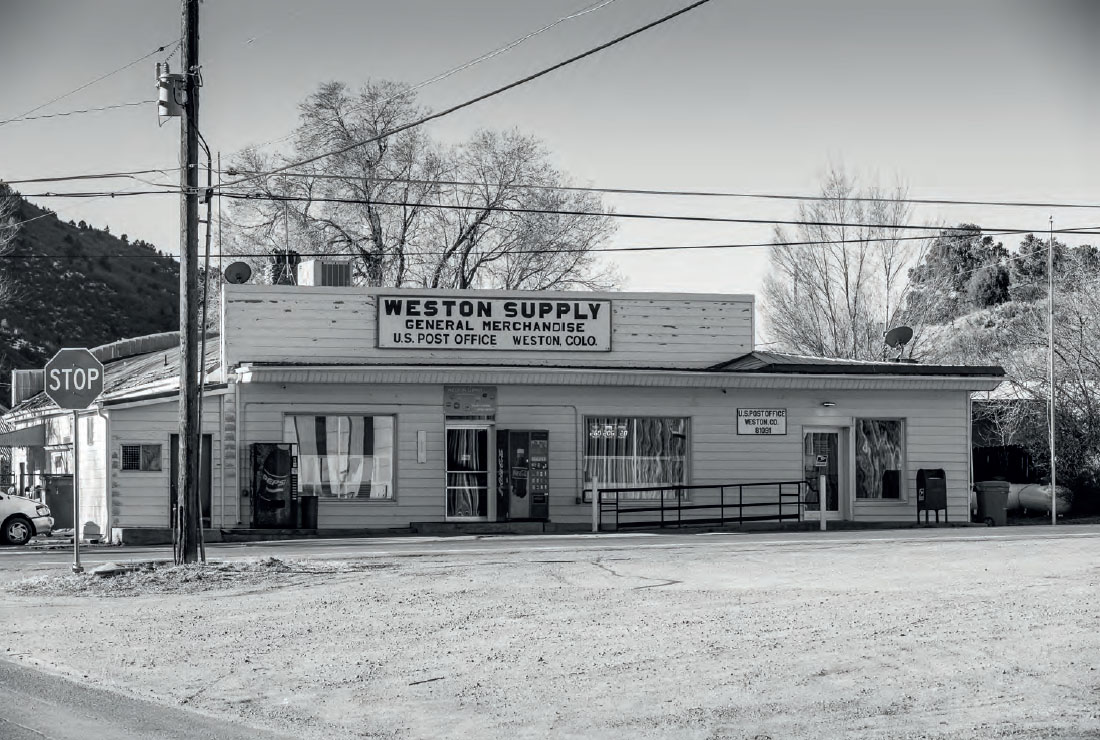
373 409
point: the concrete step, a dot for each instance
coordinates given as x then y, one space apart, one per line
479 527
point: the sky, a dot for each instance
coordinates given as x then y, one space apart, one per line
974 99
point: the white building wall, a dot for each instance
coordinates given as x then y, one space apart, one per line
142 498
92 449
418 486
935 437
276 324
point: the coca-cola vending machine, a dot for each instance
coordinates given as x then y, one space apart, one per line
523 474
274 485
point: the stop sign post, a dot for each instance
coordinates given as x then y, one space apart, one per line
74 380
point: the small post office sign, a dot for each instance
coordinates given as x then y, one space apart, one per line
761 421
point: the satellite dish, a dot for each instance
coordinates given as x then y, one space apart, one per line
899 336
237 273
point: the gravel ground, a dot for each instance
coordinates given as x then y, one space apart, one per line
952 639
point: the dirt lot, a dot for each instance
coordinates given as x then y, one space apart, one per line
951 639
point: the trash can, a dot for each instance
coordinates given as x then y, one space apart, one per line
307 508
992 502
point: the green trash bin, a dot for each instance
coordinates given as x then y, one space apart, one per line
992 502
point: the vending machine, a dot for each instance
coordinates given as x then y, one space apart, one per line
523 474
274 485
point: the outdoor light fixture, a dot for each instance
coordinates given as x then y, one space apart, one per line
828 404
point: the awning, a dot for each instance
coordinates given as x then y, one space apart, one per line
34 436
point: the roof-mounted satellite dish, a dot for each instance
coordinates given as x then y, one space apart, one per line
237 273
899 336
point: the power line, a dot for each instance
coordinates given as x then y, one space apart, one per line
679 193
102 196
82 110
99 176
466 65
573 188
601 214
88 84
644 248
544 211
490 94
509 46
107 194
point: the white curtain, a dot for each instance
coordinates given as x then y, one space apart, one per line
344 456
636 452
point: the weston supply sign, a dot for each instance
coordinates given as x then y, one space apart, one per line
761 421
494 324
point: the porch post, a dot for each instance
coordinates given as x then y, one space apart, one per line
821 498
595 504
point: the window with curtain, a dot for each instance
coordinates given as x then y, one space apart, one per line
467 472
635 452
880 458
343 457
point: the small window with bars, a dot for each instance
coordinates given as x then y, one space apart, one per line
141 457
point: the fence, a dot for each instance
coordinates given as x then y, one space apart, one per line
22 484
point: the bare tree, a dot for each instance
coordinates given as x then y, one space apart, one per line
513 228
835 295
483 213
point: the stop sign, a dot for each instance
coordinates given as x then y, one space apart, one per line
74 378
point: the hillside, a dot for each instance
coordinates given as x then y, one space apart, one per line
79 287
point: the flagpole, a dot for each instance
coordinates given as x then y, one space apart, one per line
1050 339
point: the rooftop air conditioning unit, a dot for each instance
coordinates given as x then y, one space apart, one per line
326 273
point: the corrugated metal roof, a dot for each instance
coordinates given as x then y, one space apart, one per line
779 362
486 375
124 376
1032 391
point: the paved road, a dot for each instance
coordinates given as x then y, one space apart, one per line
15 562
40 706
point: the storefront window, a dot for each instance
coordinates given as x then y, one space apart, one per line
343 457
634 452
880 460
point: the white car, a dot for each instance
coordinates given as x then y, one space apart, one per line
22 518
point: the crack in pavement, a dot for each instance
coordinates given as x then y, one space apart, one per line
662 581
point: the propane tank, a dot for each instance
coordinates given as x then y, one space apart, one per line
170 92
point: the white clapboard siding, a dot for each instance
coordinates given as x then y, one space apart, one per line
417 494
298 324
142 498
92 449
935 437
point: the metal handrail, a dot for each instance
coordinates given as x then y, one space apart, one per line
616 504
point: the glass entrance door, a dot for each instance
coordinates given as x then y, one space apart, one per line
821 456
468 479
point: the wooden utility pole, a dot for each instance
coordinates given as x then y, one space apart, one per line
189 517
